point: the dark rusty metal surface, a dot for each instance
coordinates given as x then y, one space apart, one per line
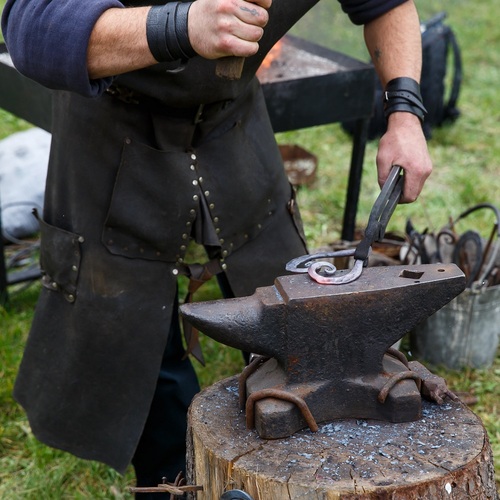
283 396
329 344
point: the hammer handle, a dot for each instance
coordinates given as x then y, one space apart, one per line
230 67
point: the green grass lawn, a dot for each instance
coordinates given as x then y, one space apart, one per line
466 157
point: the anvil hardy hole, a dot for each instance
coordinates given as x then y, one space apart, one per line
413 275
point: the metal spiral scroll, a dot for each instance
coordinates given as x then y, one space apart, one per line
306 264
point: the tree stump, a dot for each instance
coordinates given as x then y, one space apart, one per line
445 455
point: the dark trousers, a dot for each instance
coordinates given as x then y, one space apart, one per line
162 448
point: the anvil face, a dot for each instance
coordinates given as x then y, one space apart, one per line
332 336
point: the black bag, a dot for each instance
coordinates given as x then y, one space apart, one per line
440 90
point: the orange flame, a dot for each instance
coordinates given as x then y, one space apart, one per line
272 55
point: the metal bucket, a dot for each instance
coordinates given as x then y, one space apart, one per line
464 333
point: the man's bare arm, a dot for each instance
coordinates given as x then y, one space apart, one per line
118 43
395 44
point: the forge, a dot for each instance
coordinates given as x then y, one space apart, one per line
306 84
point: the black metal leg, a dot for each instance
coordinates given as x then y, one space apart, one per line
355 173
3 270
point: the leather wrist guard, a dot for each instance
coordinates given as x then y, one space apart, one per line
403 94
167 32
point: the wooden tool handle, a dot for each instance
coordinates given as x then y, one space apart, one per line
230 67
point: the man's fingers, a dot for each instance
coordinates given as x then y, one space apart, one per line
252 14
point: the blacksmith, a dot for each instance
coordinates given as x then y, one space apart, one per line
150 149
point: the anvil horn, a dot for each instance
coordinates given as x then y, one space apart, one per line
233 321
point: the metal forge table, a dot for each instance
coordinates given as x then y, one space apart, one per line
304 85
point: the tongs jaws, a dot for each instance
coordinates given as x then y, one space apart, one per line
381 212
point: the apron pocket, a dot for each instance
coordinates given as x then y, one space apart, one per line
60 257
152 204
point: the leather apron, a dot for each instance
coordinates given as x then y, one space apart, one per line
124 189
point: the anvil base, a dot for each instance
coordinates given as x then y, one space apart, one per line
329 400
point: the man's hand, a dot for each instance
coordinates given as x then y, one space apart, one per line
216 28
404 144
219 28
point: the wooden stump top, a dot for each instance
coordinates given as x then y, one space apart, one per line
446 454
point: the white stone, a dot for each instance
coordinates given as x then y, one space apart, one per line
24 158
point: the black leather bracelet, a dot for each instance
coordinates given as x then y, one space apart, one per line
156 23
181 29
403 94
167 32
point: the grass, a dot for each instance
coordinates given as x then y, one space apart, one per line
466 156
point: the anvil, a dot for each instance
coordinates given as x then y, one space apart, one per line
328 345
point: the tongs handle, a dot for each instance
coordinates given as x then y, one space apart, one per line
381 212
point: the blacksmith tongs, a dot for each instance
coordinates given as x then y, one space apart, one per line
380 214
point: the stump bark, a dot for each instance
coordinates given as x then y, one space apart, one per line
444 455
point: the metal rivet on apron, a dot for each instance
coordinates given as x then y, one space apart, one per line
195 197
71 298
221 241
184 236
207 193
224 266
224 253
217 230
200 179
192 167
216 220
81 239
212 206
193 156
195 182
74 268
183 247
54 285
192 211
